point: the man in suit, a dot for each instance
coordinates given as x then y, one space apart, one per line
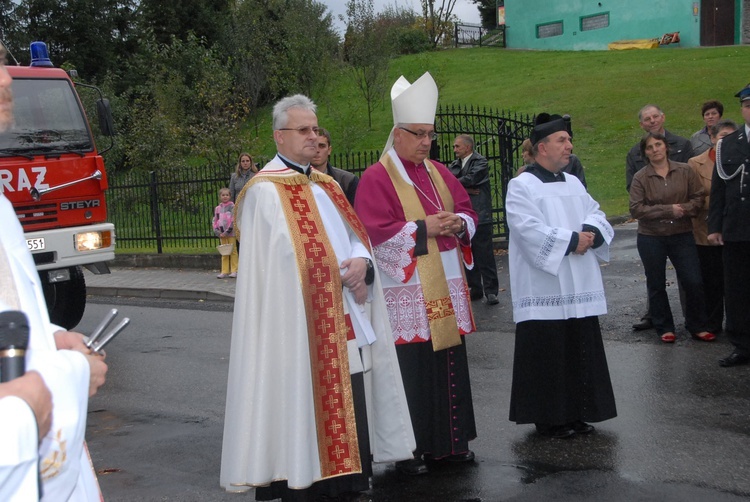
473 173
729 225
348 181
651 118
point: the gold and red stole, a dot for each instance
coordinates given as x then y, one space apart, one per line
440 312
320 280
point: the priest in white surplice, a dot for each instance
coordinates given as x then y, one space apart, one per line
557 235
35 447
314 385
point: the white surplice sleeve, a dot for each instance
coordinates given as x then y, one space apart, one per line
542 246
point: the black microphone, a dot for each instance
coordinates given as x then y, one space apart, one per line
14 338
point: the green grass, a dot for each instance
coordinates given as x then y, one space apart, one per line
602 91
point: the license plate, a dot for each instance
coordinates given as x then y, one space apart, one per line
35 244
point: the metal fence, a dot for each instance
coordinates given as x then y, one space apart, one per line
172 210
475 35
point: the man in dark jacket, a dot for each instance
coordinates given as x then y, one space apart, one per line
651 119
472 171
348 181
729 225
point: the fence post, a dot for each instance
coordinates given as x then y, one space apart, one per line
455 37
155 223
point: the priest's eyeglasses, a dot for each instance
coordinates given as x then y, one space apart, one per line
421 134
304 130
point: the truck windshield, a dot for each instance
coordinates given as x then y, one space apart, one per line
48 119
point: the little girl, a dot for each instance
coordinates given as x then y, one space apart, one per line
223 228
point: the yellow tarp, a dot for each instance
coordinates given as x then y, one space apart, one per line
643 43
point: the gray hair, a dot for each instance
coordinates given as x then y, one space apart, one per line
722 124
468 140
282 107
640 112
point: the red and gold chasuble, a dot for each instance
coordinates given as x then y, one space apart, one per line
318 267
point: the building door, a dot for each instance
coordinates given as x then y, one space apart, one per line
717 22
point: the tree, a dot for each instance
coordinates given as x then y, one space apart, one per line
438 23
88 35
487 13
367 52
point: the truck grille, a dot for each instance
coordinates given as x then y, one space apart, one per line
36 214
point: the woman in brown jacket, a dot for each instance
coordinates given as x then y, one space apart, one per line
712 265
664 195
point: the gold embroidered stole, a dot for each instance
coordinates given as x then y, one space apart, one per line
320 278
440 312
328 184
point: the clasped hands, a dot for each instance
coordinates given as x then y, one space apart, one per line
585 242
443 223
354 278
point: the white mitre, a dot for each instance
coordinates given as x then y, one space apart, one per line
413 103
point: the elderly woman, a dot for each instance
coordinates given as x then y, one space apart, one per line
664 195
712 265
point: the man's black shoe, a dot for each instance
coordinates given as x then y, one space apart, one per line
643 324
412 467
555 431
477 296
460 457
581 427
734 359
492 299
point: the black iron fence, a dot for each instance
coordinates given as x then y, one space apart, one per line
172 210
475 35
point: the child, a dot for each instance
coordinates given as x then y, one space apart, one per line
223 228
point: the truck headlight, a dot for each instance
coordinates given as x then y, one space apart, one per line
89 241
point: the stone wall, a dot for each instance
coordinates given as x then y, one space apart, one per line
745 24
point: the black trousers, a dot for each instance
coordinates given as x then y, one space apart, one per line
737 294
712 272
483 277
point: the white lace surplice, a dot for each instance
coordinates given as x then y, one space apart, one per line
403 296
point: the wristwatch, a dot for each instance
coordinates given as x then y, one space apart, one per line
460 234
370 274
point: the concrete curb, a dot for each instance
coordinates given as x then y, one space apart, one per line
167 294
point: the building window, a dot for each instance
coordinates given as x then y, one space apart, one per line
595 22
549 29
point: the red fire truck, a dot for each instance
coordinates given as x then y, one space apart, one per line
54 176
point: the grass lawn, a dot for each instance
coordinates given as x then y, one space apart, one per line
602 91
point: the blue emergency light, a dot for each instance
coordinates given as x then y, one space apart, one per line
39 55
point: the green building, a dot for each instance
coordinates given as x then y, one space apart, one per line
594 24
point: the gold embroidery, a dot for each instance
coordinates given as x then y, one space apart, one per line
52 464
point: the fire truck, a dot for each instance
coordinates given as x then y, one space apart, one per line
54 176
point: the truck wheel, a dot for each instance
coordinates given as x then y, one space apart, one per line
66 300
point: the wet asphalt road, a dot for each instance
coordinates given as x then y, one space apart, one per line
681 434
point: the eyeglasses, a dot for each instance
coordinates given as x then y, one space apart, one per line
421 135
304 131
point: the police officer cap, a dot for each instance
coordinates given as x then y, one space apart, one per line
744 94
546 124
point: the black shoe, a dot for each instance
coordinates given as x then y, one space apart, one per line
581 427
734 359
460 457
643 324
492 299
412 467
555 431
476 296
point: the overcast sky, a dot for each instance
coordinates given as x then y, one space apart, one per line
465 10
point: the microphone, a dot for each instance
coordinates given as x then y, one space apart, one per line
14 339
